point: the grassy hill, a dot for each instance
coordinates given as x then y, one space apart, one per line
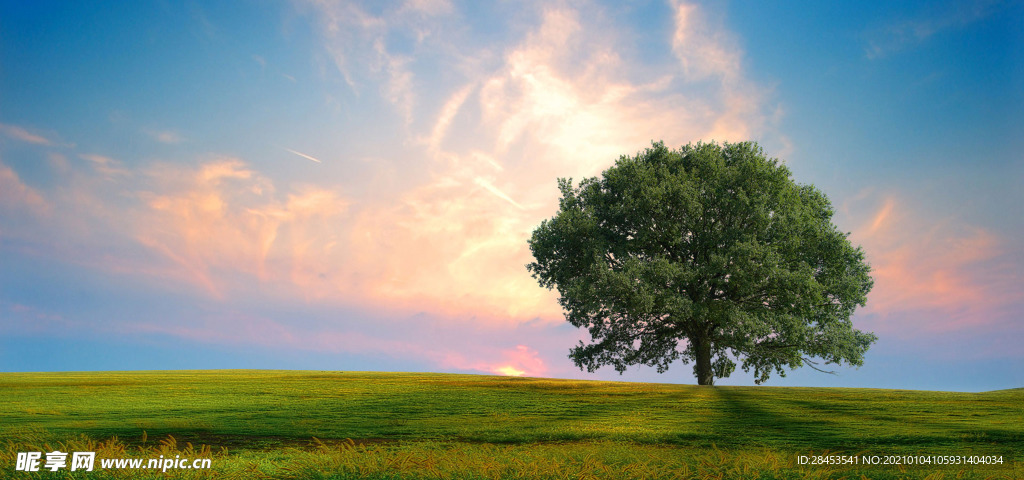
301 424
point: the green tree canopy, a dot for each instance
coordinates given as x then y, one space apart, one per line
710 254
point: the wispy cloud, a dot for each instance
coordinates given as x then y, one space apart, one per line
444 118
398 87
707 50
106 166
15 195
704 49
24 135
359 45
16 318
902 35
169 137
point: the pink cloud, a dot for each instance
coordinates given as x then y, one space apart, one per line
951 273
226 229
448 247
521 361
16 318
225 219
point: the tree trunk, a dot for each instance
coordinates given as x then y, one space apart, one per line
703 367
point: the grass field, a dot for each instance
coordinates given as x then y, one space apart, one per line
285 424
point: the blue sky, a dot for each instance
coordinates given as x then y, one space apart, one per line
350 185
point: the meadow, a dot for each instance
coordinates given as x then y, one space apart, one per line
326 425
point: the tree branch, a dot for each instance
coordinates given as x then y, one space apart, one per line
813 364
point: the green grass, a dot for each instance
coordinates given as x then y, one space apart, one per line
284 424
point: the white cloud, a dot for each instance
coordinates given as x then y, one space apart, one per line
361 45
703 49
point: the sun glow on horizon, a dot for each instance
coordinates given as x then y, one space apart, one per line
510 371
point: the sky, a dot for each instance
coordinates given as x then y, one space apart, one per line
350 185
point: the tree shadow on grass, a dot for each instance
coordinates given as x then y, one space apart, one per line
745 422
909 428
806 424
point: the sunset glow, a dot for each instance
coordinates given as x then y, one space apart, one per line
510 371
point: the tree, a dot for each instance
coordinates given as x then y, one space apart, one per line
708 253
